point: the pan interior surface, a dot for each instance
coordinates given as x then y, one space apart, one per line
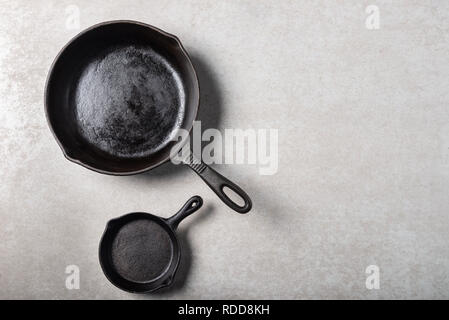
128 101
141 251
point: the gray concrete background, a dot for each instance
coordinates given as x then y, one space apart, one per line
363 152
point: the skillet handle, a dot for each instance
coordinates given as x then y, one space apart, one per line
192 205
217 183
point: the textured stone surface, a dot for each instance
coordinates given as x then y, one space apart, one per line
363 152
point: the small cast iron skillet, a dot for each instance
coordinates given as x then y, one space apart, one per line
139 252
116 96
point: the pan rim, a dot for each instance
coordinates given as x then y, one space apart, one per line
174 264
50 74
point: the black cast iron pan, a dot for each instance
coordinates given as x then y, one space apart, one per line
118 93
139 252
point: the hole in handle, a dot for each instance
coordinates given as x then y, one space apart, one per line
193 204
233 196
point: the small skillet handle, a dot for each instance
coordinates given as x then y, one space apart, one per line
192 205
217 183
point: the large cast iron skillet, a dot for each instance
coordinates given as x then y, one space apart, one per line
116 96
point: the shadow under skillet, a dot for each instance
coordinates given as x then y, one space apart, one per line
211 102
